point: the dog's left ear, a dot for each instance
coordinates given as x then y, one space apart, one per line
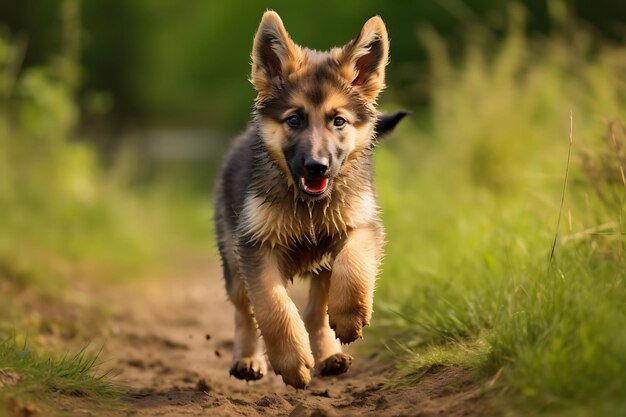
363 60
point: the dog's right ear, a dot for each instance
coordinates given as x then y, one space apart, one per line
274 54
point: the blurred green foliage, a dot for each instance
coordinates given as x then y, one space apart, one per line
182 63
61 211
45 176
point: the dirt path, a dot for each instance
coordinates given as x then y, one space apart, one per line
172 341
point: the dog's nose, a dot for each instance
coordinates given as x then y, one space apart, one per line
316 167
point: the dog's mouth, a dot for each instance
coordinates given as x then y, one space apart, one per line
314 186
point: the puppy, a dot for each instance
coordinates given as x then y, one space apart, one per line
296 197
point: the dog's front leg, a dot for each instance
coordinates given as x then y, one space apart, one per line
286 339
352 282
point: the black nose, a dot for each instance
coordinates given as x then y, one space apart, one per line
316 167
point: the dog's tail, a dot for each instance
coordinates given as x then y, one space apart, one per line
386 123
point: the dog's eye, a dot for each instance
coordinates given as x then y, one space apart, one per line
294 121
339 121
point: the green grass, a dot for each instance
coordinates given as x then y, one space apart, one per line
559 337
43 377
471 199
76 375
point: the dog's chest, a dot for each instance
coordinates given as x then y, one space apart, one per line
295 225
308 257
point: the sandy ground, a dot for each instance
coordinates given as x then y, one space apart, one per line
171 339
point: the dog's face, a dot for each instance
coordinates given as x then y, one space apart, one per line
316 110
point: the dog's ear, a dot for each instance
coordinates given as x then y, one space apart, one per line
386 123
363 60
274 54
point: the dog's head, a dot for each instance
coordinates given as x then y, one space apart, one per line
316 110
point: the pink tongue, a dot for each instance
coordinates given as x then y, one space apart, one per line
316 185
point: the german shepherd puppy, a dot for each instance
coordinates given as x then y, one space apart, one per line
295 197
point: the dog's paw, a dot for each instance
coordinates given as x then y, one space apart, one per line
248 368
294 368
336 364
347 327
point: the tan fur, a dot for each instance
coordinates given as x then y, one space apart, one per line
284 333
267 225
248 349
322 338
352 283
274 138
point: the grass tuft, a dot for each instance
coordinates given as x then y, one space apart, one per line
77 375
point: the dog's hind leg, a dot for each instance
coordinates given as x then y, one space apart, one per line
248 357
329 360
